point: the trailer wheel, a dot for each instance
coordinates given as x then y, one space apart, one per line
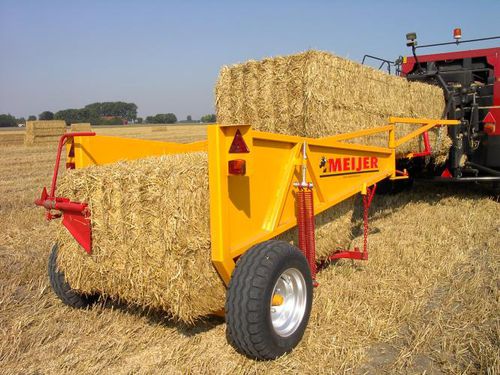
61 287
269 300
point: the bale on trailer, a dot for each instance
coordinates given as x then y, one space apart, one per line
151 238
44 132
151 234
316 94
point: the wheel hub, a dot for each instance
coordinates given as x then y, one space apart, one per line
288 302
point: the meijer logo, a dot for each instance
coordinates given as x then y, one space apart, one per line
348 165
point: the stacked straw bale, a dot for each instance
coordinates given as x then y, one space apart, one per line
150 217
44 132
318 94
11 138
81 127
151 234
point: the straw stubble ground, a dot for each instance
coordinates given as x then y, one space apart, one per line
427 300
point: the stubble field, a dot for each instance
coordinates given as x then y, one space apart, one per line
426 301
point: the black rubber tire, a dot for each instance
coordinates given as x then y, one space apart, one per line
248 317
62 289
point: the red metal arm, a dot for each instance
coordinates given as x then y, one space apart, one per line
427 147
62 141
76 216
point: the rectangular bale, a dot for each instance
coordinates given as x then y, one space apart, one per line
81 127
318 94
44 132
151 234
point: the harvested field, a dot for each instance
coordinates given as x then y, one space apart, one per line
159 132
426 301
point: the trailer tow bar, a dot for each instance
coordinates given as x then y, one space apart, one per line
75 215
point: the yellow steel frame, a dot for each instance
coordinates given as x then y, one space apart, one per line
254 207
100 149
246 210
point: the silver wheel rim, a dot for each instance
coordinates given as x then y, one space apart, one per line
288 302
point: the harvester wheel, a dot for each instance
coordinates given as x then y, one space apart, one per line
61 287
269 300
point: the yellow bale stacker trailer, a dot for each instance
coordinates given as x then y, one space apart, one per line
260 185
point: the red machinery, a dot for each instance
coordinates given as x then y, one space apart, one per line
471 84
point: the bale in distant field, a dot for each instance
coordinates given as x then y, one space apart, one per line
81 127
318 94
11 138
44 132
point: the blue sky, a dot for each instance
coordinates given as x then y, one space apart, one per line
165 55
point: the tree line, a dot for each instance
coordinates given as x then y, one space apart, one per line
105 113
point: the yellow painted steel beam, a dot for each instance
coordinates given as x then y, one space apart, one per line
285 180
359 133
102 149
409 120
413 134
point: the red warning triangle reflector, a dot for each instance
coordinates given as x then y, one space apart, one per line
238 146
489 119
446 174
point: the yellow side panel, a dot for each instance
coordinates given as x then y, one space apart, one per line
259 205
102 149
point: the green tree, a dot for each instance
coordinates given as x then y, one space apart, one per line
139 120
46 115
170 118
73 115
209 118
189 118
110 121
162 118
21 120
31 118
122 110
7 120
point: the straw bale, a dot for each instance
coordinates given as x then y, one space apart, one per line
318 94
44 132
37 126
81 127
11 138
151 235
